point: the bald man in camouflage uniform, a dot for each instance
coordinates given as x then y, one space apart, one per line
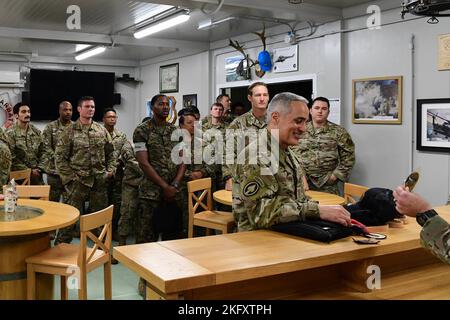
254 120
25 143
435 234
326 151
5 158
50 137
162 177
271 191
84 159
115 184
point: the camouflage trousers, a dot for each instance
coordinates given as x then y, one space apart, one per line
5 163
129 210
76 194
145 232
114 190
56 187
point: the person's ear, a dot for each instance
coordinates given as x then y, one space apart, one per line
276 117
249 97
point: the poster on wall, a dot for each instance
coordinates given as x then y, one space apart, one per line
235 69
189 100
444 52
285 59
6 111
335 111
433 125
377 100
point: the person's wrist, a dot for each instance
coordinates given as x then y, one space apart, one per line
423 217
175 184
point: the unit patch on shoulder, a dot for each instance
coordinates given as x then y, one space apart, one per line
251 188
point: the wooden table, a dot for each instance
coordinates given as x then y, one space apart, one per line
225 197
269 265
24 238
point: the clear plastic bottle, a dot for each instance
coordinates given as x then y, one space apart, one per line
11 197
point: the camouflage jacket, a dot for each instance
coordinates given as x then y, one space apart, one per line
118 139
213 146
50 137
435 236
240 131
262 199
132 173
326 151
84 152
226 119
156 141
5 158
26 147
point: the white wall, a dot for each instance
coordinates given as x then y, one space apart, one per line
129 92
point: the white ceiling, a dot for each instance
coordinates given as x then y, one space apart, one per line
39 26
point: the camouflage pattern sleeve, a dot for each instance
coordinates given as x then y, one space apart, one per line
48 154
110 155
346 149
435 236
230 157
63 154
260 204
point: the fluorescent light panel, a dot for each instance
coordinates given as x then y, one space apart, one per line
163 24
89 53
81 47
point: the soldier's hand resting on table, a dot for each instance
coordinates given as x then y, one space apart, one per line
335 214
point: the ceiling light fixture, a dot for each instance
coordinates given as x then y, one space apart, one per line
163 23
90 52
81 47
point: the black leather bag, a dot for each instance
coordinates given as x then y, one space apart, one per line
320 230
167 218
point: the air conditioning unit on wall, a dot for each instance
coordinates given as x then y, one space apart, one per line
10 79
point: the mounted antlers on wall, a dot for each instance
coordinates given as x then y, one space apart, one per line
261 65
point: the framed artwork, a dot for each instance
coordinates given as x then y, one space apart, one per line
236 69
189 100
285 59
168 78
377 100
433 125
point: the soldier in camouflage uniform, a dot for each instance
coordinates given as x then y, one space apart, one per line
326 151
132 178
271 191
84 159
212 128
25 143
50 137
162 177
435 235
5 158
255 119
115 184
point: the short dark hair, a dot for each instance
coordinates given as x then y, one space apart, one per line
220 96
17 106
108 110
181 118
323 99
84 98
253 85
217 104
156 97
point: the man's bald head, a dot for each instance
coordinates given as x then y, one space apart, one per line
65 111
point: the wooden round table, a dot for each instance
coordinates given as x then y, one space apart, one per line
24 238
225 197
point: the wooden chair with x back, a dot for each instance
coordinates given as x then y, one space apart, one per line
71 260
208 218
353 192
21 175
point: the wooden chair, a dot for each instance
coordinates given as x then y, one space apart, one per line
35 192
21 175
352 192
65 259
209 219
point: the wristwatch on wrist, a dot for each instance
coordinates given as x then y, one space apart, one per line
423 217
175 184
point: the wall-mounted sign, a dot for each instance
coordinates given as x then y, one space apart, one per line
285 59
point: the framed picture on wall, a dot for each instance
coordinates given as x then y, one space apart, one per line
433 125
189 100
168 78
377 100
